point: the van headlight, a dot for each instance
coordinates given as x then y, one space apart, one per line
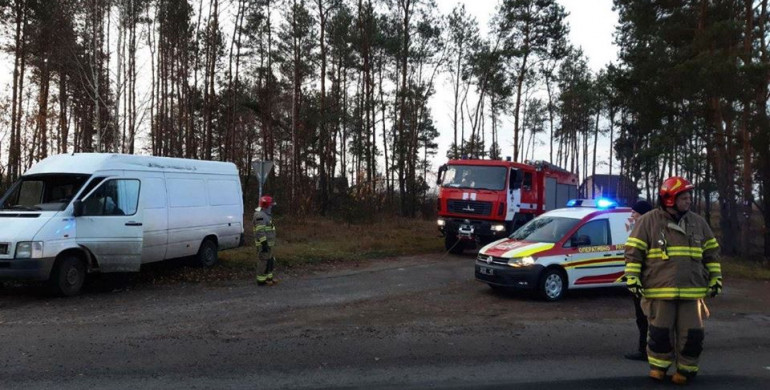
498 228
29 250
521 261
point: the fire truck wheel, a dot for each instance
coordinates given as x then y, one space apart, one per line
453 245
553 284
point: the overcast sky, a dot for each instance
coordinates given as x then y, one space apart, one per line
592 24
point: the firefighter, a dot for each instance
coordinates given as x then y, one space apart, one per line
672 262
637 210
264 238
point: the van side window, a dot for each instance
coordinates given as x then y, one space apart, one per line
90 186
114 197
592 233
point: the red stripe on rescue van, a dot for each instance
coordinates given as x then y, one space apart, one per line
611 278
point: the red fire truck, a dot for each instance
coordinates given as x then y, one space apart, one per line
480 201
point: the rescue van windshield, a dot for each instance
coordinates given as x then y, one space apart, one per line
476 177
545 229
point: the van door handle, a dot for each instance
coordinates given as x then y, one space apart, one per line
132 223
607 254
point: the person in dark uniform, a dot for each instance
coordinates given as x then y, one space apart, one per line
639 208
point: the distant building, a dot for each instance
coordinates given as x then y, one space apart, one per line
619 188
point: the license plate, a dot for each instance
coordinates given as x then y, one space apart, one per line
486 271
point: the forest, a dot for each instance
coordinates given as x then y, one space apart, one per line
338 94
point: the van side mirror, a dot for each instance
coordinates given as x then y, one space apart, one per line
77 208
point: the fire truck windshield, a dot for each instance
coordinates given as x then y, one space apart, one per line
474 176
545 229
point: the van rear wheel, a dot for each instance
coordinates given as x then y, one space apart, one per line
208 254
68 276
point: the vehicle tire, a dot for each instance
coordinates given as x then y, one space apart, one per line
553 284
453 245
67 276
208 254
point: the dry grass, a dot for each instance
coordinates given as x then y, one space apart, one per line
317 239
745 269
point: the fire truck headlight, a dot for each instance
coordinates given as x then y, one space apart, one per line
498 228
441 223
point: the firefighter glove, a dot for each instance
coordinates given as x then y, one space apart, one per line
715 287
265 247
634 286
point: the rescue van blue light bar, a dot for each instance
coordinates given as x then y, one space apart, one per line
599 203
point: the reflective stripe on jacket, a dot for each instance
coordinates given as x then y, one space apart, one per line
672 260
264 230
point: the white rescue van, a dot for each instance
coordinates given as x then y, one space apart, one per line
73 214
581 246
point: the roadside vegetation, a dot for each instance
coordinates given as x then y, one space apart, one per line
305 242
317 239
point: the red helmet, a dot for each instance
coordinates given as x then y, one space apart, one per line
265 201
672 187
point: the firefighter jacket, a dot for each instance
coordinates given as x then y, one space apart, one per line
673 260
264 230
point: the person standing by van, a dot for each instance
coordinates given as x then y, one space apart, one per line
637 210
264 238
672 261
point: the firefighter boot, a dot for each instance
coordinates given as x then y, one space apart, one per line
657 374
271 280
261 280
681 378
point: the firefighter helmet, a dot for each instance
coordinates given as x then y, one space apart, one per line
265 201
672 187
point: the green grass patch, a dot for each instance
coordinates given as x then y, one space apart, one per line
745 269
315 239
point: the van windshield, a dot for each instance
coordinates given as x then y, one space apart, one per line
478 177
545 229
49 192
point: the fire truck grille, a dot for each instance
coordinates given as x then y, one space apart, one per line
469 207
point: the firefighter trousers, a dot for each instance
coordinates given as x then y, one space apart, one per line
675 334
265 266
641 324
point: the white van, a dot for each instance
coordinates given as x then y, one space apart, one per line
73 214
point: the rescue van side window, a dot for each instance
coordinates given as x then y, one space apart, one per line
593 233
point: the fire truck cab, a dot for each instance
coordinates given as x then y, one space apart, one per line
480 201
580 246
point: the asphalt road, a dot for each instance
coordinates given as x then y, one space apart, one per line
415 322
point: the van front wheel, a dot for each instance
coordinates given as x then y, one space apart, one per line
207 254
68 276
553 284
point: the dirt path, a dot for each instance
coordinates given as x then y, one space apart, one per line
412 321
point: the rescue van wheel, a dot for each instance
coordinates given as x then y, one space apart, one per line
553 284
67 276
207 254
453 245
